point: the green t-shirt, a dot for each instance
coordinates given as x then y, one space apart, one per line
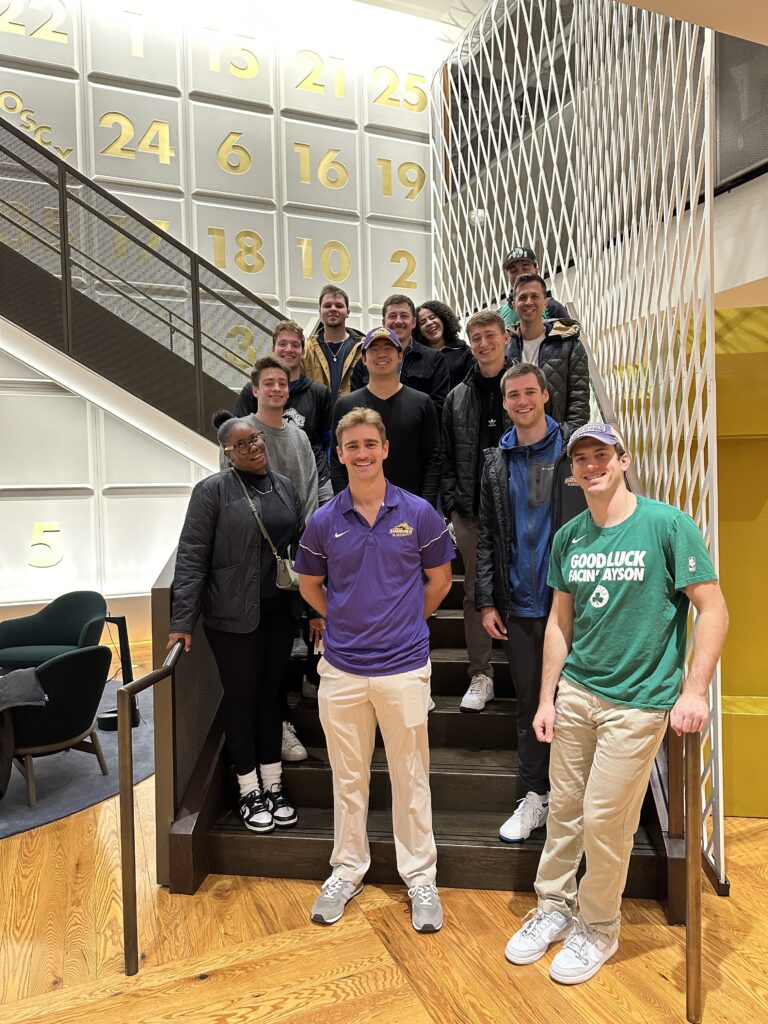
630 612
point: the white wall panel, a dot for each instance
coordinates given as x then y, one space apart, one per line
140 532
399 263
241 242
136 136
321 168
65 553
43 31
45 443
320 251
44 106
231 66
233 152
318 82
131 457
125 43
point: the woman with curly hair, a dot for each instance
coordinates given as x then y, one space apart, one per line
437 326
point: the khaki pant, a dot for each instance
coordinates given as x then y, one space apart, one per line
479 644
600 764
350 706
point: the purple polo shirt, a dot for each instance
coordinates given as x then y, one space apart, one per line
375 623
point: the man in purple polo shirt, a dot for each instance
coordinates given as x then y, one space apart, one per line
362 561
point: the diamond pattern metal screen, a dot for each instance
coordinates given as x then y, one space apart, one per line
583 128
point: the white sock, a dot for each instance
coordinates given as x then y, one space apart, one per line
248 783
271 774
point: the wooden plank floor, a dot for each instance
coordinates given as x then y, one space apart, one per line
242 949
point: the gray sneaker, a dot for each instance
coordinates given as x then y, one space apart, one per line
334 896
426 909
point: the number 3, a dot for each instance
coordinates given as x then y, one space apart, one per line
50 550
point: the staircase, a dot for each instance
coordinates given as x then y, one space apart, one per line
473 775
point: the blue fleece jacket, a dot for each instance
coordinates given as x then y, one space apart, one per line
530 478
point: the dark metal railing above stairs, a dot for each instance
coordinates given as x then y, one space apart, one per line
87 274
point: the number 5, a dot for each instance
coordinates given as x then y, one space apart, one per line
52 552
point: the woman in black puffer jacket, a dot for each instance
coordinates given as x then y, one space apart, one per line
226 572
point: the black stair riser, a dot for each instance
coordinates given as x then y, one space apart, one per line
497 867
446 728
313 787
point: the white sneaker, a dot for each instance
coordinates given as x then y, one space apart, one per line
479 693
582 956
308 689
537 934
292 749
531 813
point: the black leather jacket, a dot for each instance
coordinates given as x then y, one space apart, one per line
494 535
424 369
563 360
219 555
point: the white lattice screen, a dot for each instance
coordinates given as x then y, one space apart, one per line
582 128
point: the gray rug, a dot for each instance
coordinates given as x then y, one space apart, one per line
71 780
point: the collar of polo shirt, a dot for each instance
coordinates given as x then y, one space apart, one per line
346 503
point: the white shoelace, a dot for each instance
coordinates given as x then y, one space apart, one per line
332 887
580 940
528 812
476 686
425 894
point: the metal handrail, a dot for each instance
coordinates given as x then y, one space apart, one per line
125 695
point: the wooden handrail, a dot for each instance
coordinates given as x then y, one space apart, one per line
125 695
693 998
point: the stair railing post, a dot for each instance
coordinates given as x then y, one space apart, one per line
66 260
197 340
693 996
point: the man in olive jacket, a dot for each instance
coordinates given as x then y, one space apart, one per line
553 346
527 492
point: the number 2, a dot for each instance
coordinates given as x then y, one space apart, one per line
404 280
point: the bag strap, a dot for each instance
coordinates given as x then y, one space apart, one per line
257 517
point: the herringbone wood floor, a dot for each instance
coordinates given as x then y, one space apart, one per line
242 950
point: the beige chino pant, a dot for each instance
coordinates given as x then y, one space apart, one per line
350 706
600 764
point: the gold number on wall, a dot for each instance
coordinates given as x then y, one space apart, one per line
404 280
136 32
248 257
244 346
331 173
414 97
46 550
156 140
411 175
231 157
332 250
10 11
313 82
248 57
48 31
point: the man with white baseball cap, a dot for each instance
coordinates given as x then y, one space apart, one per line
623 574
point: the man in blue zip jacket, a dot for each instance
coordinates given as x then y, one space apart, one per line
526 494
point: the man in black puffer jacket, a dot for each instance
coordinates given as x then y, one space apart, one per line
526 494
554 346
309 404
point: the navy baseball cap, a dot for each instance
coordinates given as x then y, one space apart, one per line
599 431
381 332
519 253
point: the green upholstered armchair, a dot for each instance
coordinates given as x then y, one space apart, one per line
74 683
71 621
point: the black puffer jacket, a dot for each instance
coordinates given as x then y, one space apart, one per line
309 406
423 369
218 560
563 361
494 535
460 430
460 361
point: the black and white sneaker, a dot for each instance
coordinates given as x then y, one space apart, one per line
255 813
283 815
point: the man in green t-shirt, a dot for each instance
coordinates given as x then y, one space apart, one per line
623 574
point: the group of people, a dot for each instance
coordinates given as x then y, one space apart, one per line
365 458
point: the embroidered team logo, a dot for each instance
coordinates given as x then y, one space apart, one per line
691 564
401 530
570 481
599 598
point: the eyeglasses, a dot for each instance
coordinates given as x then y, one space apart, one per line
241 447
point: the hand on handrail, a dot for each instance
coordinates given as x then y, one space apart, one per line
174 638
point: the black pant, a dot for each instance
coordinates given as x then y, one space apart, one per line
252 667
524 650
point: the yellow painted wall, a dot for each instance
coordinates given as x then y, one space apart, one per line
742 412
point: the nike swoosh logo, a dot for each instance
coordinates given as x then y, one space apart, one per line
342 534
579 538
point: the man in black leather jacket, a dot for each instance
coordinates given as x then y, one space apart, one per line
554 346
423 368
